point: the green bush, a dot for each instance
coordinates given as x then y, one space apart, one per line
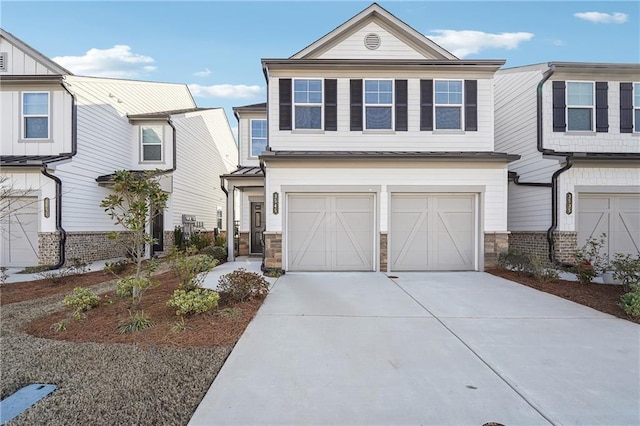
196 301
241 286
138 321
626 269
191 270
81 299
528 264
631 301
125 287
199 241
217 252
514 261
220 241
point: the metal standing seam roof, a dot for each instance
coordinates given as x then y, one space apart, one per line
390 155
245 172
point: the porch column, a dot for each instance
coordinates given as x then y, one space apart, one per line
231 189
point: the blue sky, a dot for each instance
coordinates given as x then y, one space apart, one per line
216 46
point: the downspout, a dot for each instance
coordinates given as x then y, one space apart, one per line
175 147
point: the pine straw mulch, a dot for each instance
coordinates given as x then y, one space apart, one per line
601 297
220 327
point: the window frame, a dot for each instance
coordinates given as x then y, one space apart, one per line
569 106
460 106
391 106
25 116
251 137
635 95
219 221
142 144
295 104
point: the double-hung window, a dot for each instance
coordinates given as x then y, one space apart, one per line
258 137
580 106
35 115
378 104
151 138
448 104
219 218
636 107
307 98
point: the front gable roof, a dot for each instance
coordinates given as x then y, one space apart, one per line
396 36
48 64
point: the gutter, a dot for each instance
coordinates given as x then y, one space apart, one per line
62 244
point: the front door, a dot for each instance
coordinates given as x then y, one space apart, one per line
257 227
157 230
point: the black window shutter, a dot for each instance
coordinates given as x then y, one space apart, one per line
559 122
401 105
602 106
426 104
626 107
285 104
471 105
331 104
356 104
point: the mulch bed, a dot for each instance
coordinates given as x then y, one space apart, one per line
601 297
220 327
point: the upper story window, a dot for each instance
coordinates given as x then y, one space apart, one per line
151 138
307 98
35 114
378 104
258 137
636 107
448 104
580 106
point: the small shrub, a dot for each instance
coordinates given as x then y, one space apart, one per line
132 287
76 266
220 241
514 261
274 273
199 241
541 270
138 321
116 268
178 237
229 313
3 274
81 299
626 269
585 272
241 286
528 264
630 302
217 252
196 301
54 277
59 327
590 254
179 326
35 269
191 270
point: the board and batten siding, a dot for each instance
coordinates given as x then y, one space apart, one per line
244 138
610 141
387 140
353 46
493 177
11 128
20 63
601 179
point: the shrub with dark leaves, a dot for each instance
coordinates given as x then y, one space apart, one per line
241 286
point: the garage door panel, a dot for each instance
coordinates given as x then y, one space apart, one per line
20 232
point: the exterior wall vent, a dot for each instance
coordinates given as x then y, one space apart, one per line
3 61
372 41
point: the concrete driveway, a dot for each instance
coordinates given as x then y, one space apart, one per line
425 348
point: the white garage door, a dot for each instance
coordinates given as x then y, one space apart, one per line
330 232
431 232
19 232
616 215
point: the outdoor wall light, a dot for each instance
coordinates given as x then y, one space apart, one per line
47 207
276 203
569 203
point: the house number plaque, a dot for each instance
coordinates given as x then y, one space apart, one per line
276 203
569 203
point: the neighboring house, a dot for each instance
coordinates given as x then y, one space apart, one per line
577 129
63 137
380 154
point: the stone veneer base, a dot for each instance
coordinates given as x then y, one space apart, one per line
273 250
494 244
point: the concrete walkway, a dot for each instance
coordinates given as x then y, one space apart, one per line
425 348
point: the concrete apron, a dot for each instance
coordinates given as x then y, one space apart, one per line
425 348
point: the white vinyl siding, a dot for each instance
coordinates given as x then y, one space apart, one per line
151 143
448 98
378 105
258 137
307 103
412 140
35 115
636 107
580 108
19 62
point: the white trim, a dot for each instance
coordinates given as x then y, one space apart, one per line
460 105
392 105
592 107
23 116
142 144
266 128
294 104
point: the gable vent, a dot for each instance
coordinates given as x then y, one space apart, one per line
3 61
372 41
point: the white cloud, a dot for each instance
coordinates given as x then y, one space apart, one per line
603 18
237 91
205 73
467 42
558 42
117 62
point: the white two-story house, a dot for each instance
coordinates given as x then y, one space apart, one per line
63 136
379 154
577 129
